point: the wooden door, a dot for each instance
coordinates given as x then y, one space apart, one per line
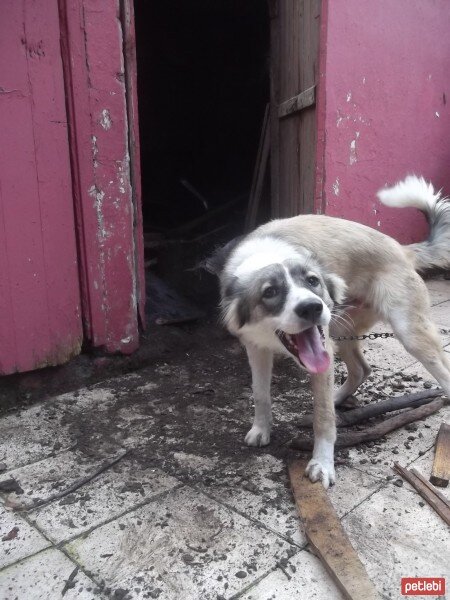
295 28
100 81
40 320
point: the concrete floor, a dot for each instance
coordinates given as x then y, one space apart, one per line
190 512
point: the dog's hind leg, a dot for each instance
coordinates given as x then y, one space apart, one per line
420 337
411 323
261 361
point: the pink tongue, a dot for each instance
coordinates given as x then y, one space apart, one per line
311 351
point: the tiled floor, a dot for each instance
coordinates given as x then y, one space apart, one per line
173 521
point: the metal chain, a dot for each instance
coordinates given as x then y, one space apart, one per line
371 336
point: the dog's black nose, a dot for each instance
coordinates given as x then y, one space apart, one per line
310 310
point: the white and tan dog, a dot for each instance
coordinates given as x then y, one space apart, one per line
281 285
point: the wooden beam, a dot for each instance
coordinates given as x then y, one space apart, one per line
328 538
297 103
440 473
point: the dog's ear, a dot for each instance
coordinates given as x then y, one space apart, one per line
336 287
232 290
215 263
243 312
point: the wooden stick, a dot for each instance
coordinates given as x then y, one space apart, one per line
440 473
424 490
328 538
352 438
259 173
363 413
431 487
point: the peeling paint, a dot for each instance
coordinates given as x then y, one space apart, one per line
379 223
353 157
336 187
349 96
437 114
105 119
99 196
341 119
94 150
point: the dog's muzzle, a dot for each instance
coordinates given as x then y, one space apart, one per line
308 347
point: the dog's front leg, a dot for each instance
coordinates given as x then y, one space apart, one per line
261 361
321 466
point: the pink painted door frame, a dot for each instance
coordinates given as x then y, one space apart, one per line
40 314
102 110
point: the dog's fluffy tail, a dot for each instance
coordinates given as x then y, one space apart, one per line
433 253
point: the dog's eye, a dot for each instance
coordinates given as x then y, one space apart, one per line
313 280
270 292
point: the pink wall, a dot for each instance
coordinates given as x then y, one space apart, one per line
383 112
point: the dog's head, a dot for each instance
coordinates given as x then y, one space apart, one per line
275 294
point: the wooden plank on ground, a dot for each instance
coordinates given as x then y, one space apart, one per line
328 538
440 473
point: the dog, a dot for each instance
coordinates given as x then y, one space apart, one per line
292 283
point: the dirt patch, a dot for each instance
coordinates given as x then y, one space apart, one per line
188 412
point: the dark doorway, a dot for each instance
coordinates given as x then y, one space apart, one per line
203 81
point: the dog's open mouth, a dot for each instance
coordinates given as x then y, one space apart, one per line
308 347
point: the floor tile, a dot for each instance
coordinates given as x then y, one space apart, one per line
118 489
23 540
396 537
31 435
402 445
183 545
302 577
43 577
439 290
441 315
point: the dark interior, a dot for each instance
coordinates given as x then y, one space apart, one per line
203 83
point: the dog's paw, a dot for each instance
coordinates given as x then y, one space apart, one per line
258 436
321 471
